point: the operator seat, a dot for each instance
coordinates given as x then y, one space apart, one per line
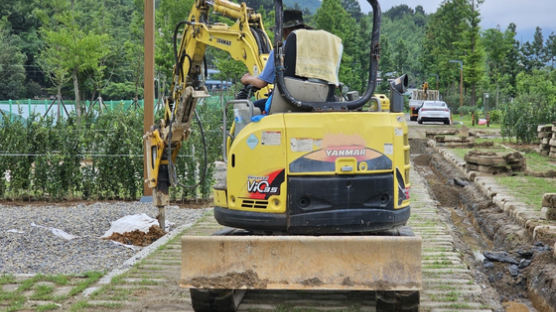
305 88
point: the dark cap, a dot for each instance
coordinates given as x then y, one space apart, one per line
293 18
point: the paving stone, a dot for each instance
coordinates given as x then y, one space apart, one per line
62 290
9 287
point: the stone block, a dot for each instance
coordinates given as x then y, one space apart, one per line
552 142
549 200
548 213
544 128
545 233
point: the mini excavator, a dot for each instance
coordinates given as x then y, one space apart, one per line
315 193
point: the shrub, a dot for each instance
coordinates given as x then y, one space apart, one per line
495 115
97 157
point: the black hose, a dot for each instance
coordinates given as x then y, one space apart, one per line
175 41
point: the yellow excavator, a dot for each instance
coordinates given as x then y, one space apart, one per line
315 193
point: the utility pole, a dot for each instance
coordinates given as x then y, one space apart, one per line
460 82
148 118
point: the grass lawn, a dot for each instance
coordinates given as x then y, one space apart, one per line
528 189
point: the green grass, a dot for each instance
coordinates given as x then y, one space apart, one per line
79 306
528 189
43 292
90 278
57 279
15 300
539 163
7 279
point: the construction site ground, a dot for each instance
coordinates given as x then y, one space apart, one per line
456 276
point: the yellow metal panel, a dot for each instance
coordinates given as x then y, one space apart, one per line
256 163
302 262
220 198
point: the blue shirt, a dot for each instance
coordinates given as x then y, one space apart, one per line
268 73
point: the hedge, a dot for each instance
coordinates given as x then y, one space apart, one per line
96 157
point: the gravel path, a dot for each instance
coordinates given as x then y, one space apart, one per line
25 248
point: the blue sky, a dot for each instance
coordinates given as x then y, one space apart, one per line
525 14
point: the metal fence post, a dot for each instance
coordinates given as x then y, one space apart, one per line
29 106
10 103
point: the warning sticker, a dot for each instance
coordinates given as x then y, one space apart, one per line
398 131
271 138
388 149
301 145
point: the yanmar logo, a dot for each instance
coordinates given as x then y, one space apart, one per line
343 152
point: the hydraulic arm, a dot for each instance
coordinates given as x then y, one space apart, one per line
245 41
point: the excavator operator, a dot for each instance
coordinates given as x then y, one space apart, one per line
293 20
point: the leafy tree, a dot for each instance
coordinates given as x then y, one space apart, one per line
71 48
23 23
512 65
353 9
12 72
534 105
333 18
533 53
551 48
473 59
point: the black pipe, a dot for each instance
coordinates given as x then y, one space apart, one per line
327 106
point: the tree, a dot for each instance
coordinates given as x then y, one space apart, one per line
473 58
401 56
533 53
551 48
168 15
352 8
12 72
23 23
70 47
332 17
453 34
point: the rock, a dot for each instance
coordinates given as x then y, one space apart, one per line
460 182
548 213
523 263
544 128
487 264
500 256
545 233
527 254
549 200
514 270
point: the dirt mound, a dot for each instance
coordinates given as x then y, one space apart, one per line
138 238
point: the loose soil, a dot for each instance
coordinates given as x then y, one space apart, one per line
522 273
138 238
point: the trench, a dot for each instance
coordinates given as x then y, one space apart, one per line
515 272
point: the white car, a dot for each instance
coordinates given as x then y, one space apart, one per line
434 111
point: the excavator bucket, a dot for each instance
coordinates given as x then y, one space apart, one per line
386 263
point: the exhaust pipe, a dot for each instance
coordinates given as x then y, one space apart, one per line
398 87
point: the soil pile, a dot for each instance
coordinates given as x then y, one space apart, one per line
137 237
